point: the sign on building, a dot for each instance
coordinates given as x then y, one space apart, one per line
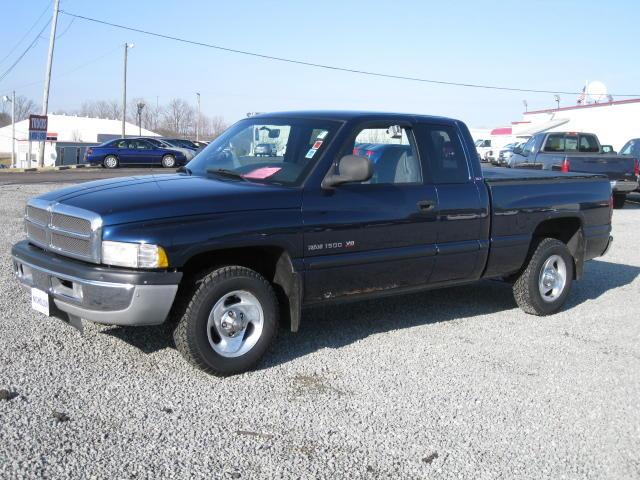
38 128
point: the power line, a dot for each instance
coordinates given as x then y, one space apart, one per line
328 67
25 35
31 45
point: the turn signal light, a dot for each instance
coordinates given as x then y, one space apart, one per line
565 166
636 168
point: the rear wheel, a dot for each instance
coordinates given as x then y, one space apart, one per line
168 161
543 287
230 322
110 161
619 200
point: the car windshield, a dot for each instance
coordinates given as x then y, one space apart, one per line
279 151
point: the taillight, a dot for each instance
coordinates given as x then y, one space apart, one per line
369 153
636 168
565 166
356 151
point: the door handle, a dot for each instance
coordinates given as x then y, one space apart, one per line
426 205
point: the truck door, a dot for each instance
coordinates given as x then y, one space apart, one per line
373 236
462 220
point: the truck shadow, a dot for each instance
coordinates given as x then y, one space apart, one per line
339 325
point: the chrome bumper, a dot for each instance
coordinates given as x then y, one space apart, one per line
623 186
99 301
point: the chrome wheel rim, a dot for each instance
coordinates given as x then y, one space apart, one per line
169 162
111 162
235 323
553 278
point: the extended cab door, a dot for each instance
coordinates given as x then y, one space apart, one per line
373 236
462 204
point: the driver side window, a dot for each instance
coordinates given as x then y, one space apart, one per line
392 153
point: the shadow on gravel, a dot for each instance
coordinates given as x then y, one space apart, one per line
339 325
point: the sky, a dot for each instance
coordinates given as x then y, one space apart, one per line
547 45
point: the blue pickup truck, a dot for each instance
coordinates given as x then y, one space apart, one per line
236 243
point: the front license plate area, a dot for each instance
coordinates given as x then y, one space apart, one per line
40 301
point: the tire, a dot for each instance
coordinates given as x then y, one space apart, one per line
198 335
168 161
619 201
527 288
110 161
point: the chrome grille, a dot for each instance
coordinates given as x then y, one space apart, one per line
38 215
36 233
71 224
71 244
67 230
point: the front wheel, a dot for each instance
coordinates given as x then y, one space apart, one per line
168 161
543 287
230 322
619 201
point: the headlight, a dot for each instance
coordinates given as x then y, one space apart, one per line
135 255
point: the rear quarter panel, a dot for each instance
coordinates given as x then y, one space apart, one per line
519 206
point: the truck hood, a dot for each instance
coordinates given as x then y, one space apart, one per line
152 197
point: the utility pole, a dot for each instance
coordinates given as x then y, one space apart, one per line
13 129
140 106
47 77
127 46
557 99
198 120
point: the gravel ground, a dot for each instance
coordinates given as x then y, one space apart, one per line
456 383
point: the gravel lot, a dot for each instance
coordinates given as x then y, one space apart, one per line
456 383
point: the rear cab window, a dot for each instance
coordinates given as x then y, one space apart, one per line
442 148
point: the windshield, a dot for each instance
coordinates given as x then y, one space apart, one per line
281 151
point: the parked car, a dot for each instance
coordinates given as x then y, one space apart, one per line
632 149
182 142
579 152
234 245
483 147
133 151
189 153
505 153
266 150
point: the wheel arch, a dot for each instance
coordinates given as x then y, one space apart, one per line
568 230
272 262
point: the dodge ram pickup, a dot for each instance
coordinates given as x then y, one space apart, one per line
579 152
235 243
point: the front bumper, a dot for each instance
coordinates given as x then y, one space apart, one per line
96 293
623 186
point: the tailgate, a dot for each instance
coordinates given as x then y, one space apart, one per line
614 167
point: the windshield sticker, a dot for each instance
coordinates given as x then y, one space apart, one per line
322 135
311 153
263 172
317 145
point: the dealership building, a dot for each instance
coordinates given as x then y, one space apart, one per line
614 122
67 138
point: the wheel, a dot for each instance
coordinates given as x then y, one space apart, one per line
619 200
543 287
168 161
229 323
110 161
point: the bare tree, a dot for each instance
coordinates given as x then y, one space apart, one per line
178 118
24 108
5 119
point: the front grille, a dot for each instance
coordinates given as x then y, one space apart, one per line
71 224
36 233
66 244
38 215
66 230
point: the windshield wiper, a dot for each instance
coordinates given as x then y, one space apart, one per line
184 169
226 173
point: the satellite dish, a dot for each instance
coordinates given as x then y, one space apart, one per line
597 92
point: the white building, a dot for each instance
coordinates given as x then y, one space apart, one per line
64 128
614 122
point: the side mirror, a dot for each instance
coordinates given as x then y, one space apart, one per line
353 169
517 150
